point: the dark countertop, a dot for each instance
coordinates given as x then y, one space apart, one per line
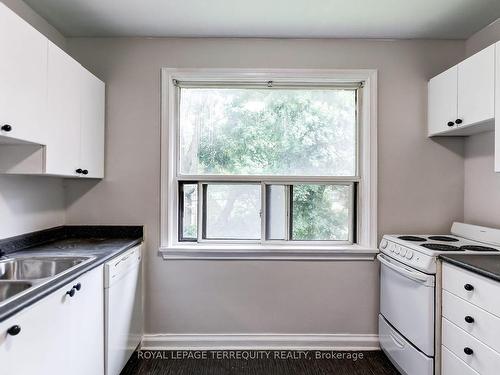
485 265
102 243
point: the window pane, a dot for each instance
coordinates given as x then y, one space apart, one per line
189 211
321 212
232 211
235 131
276 222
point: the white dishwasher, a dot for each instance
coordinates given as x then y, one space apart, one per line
123 309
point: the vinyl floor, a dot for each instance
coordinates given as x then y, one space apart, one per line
258 363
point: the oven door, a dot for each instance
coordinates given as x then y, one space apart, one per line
407 302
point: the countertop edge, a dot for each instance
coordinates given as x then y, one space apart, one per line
470 267
57 283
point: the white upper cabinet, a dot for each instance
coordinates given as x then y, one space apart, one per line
442 101
476 88
47 100
461 100
92 114
23 79
75 143
63 114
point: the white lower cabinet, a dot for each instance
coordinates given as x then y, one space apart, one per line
470 350
43 330
452 365
86 351
470 323
58 335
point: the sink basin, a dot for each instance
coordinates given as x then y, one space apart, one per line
36 267
11 288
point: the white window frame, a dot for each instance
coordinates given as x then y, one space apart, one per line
366 245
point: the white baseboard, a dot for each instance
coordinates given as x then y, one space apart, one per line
260 342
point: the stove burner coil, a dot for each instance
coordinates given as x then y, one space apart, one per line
443 238
477 248
412 238
441 247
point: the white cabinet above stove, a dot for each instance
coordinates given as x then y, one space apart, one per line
465 99
461 100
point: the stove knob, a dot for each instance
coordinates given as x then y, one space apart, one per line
383 244
409 254
402 252
391 247
397 250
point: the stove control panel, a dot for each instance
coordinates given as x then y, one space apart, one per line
408 256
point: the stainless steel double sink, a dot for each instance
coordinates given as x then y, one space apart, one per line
17 275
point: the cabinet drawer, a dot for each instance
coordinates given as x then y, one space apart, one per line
452 365
480 323
483 359
484 292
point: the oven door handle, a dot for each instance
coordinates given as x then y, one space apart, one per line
404 272
396 340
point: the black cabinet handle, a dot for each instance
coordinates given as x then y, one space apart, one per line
77 286
14 330
468 351
85 171
6 128
469 319
79 170
71 292
458 121
468 287
451 123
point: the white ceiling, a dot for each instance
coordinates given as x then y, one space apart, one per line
449 19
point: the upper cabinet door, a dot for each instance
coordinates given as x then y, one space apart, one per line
64 95
92 125
442 102
476 87
23 78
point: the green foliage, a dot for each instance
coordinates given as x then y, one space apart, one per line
277 132
320 212
268 132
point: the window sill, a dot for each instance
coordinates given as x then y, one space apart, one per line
263 252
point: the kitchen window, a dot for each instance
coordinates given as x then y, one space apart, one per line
266 162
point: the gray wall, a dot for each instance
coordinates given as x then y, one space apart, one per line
29 15
31 203
483 38
420 182
482 184
28 204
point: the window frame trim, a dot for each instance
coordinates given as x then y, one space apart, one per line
171 247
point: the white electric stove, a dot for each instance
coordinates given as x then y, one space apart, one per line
409 299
